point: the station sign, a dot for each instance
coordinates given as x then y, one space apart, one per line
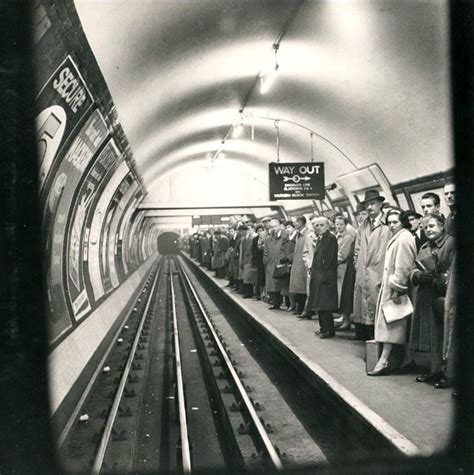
296 181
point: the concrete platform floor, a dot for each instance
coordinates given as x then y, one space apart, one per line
416 417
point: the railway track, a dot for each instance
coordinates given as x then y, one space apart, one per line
170 393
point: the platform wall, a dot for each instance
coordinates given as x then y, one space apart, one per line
88 182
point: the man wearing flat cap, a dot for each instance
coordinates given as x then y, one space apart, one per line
369 254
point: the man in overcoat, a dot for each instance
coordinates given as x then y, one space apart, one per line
246 261
271 258
220 249
298 276
369 255
323 283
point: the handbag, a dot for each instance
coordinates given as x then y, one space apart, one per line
253 275
282 271
397 311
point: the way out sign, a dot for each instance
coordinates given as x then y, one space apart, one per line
296 181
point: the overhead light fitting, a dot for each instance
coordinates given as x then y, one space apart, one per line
267 79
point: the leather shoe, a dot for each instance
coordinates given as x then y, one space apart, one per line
325 335
273 307
381 372
429 378
444 383
304 316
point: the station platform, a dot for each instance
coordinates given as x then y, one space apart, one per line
414 417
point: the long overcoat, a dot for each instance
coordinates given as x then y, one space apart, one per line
425 329
235 257
299 274
450 312
323 281
220 249
257 260
287 251
344 243
245 261
271 257
371 243
399 261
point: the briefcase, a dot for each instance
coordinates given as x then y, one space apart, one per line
372 354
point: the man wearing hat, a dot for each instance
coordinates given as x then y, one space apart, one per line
369 254
416 228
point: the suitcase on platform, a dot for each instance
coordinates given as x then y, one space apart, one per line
372 354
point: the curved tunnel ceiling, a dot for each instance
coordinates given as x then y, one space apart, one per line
371 76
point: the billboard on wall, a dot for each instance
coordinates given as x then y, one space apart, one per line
77 291
56 208
61 104
296 181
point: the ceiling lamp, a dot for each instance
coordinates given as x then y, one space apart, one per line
267 79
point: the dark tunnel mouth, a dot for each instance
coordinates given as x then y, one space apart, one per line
168 243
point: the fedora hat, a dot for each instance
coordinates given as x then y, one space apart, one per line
371 195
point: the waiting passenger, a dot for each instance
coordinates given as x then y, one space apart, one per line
399 262
323 282
346 300
369 253
246 261
430 203
220 249
434 260
416 228
450 198
344 245
450 332
299 274
286 258
234 258
271 258
257 260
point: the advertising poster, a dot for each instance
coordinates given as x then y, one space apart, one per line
55 212
75 273
61 104
112 233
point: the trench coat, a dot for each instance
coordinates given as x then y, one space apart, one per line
399 261
287 251
257 260
369 254
235 257
344 243
323 281
299 274
450 312
220 249
346 300
426 323
245 261
271 257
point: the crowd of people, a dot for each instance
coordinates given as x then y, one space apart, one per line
392 279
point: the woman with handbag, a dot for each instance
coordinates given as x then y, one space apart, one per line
393 305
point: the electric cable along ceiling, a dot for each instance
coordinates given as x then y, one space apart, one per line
372 77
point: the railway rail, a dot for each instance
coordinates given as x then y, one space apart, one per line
172 393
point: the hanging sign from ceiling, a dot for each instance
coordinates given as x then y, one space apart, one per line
296 181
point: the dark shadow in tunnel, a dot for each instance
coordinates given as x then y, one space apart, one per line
168 243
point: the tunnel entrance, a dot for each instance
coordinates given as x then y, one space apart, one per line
168 243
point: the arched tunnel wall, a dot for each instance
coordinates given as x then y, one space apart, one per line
95 254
